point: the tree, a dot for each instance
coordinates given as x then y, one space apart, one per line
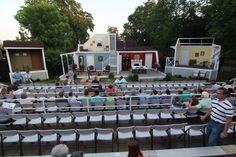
112 29
45 23
80 21
221 17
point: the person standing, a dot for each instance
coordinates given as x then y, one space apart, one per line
221 114
18 77
28 77
70 76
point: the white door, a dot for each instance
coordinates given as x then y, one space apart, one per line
184 57
90 60
148 60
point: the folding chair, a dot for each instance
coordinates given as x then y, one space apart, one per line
124 133
86 135
10 136
104 135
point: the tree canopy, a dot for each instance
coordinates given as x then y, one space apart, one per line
58 23
159 24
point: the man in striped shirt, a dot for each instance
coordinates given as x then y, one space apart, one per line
221 113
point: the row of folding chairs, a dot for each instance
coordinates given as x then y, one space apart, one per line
76 136
128 85
99 117
64 106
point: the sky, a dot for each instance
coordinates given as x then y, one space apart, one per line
105 13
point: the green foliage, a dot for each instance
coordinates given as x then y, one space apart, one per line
111 76
160 24
133 78
53 62
168 77
46 23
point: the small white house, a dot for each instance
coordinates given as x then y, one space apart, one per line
194 57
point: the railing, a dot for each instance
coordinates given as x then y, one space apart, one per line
170 61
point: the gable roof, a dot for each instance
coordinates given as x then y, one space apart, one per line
13 43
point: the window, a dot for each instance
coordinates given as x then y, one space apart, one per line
24 54
197 54
17 54
136 57
99 43
202 53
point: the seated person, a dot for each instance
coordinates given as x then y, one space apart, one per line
110 90
177 103
72 98
96 97
204 104
142 95
121 80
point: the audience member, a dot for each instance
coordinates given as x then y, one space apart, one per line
231 98
177 103
134 149
17 77
121 80
110 90
70 76
214 86
221 114
28 77
16 90
204 104
60 150
227 85
72 98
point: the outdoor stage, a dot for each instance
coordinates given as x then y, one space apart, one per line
150 75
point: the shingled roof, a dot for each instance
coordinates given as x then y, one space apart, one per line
8 43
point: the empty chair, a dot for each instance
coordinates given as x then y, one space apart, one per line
18 119
195 130
143 132
124 133
161 131
104 135
48 135
177 130
17 108
86 135
29 136
75 107
34 119
62 105
68 135
95 116
124 115
166 114
110 105
179 113
9 136
39 107
80 117
64 118
138 115
121 104
51 106
109 116
152 114
50 119
232 130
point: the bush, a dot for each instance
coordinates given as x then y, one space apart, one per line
168 77
133 78
111 76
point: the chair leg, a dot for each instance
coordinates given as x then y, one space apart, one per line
2 147
21 149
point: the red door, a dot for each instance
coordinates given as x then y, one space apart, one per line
37 61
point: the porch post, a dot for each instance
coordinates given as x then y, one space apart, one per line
62 63
9 65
